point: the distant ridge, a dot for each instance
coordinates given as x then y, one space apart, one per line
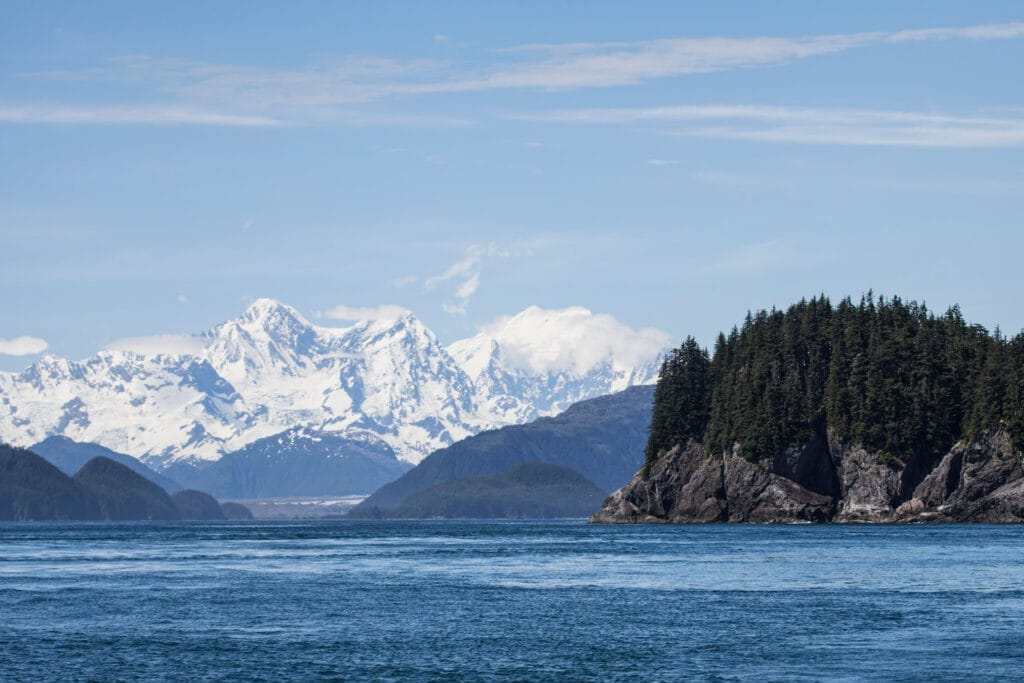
70 456
123 494
299 462
32 489
529 490
602 439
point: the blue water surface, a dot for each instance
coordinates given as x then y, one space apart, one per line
518 600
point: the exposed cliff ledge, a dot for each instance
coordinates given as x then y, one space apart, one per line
825 481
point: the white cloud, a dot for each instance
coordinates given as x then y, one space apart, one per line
182 299
466 269
469 287
228 94
386 312
662 162
455 308
808 125
166 344
120 114
406 281
572 339
980 32
461 267
22 346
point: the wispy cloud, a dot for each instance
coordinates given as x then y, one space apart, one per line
350 313
120 114
783 124
331 93
160 344
22 346
466 272
662 162
406 281
753 258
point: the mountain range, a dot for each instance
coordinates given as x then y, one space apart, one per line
385 385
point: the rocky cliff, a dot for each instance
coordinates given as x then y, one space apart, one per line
825 480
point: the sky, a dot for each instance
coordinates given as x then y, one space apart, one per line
673 165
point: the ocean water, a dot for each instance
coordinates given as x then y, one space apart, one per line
509 600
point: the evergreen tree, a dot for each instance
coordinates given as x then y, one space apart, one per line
883 373
681 399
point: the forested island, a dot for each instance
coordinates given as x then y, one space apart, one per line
871 411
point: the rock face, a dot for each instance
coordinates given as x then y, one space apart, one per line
825 481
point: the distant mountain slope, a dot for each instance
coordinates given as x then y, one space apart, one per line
193 504
194 398
70 456
33 489
530 490
235 511
123 494
298 462
602 439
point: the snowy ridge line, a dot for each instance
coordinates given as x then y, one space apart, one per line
196 397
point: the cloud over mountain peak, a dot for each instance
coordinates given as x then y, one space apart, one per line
386 376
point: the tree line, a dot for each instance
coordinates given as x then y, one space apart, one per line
885 374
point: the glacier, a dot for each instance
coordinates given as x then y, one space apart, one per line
388 380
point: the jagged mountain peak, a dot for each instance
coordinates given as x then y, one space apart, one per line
383 375
265 308
271 317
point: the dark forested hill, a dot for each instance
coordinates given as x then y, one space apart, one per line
198 505
793 393
529 490
602 439
122 493
70 456
31 489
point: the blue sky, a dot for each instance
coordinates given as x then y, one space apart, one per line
668 164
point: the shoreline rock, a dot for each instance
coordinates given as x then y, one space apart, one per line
824 480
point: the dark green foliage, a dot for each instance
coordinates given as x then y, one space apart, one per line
884 374
197 505
123 494
33 489
528 490
601 438
235 511
681 400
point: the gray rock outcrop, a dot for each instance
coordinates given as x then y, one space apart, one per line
825 480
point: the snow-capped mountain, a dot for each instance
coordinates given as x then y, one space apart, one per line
188 398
